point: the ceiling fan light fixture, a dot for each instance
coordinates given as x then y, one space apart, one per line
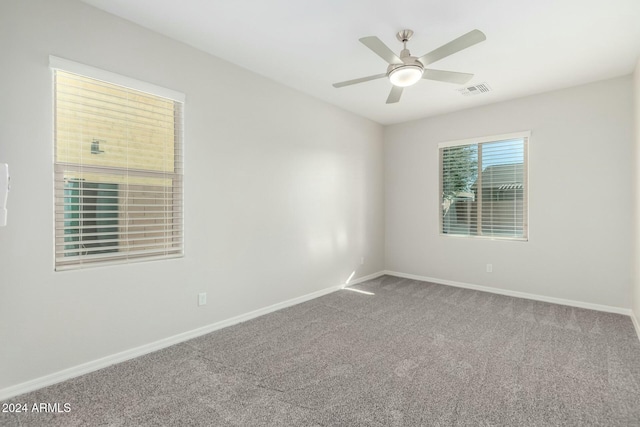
405 75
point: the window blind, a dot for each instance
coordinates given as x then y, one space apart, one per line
484 187
118 163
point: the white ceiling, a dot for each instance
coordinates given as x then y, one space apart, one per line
532 46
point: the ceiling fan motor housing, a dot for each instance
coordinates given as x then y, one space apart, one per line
410 71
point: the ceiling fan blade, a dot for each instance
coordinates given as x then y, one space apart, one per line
394 95
360 80
462 42
381 49
447 76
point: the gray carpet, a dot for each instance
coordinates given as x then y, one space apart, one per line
413 354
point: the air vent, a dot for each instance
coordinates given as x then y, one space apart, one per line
475 90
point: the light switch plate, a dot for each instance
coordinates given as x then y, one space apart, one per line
202 298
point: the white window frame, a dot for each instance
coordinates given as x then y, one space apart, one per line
56 63
526 135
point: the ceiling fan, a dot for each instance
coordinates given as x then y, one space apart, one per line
406 70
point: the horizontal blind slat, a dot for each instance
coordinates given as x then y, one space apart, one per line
96 257
124 236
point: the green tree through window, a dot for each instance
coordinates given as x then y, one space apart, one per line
91 217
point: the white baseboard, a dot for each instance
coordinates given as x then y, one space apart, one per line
636 324
94 365
364 279
561 301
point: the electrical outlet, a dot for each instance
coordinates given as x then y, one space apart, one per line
202 298
489 268
362 261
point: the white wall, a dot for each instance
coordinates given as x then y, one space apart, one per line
636 181
580 215
283 193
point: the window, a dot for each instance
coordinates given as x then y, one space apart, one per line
483 187
118 168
